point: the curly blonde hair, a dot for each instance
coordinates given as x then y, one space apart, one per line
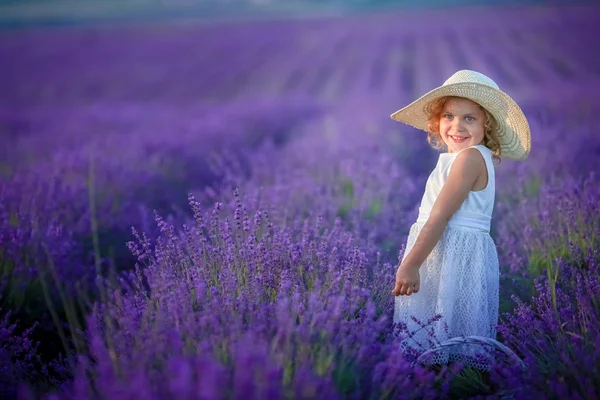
490 136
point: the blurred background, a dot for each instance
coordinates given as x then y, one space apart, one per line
29 12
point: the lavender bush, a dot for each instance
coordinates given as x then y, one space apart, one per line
16 355
21 361
240 294
557 333
65 217
563 213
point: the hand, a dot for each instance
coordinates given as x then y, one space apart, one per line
408 280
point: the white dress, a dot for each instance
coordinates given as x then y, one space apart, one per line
460 277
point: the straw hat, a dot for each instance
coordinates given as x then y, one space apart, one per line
513 128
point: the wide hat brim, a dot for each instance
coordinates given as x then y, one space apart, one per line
513 129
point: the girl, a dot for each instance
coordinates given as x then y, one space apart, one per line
450 265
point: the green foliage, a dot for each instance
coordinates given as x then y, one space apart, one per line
344 375
347 198
348 188
532 187
470 382
374 209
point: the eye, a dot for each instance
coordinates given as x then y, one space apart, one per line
447 116
470 119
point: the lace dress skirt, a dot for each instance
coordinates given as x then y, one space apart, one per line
459 280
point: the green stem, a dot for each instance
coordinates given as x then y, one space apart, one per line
94 227
53 312
67 302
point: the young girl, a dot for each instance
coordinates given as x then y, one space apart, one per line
450 265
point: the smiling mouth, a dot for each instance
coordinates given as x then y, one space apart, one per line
458 139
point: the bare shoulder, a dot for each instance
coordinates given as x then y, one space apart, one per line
470 154
470 168
471 160
465 170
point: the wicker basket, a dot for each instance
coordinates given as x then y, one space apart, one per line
479 340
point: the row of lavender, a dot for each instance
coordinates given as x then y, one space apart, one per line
332 59
295 270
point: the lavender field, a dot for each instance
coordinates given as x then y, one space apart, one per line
216 211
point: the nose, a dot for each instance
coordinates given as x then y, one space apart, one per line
457 125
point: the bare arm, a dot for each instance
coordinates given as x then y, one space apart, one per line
466 168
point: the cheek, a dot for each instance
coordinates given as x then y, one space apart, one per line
476 128
443 125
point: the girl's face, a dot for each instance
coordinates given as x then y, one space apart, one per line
462 124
